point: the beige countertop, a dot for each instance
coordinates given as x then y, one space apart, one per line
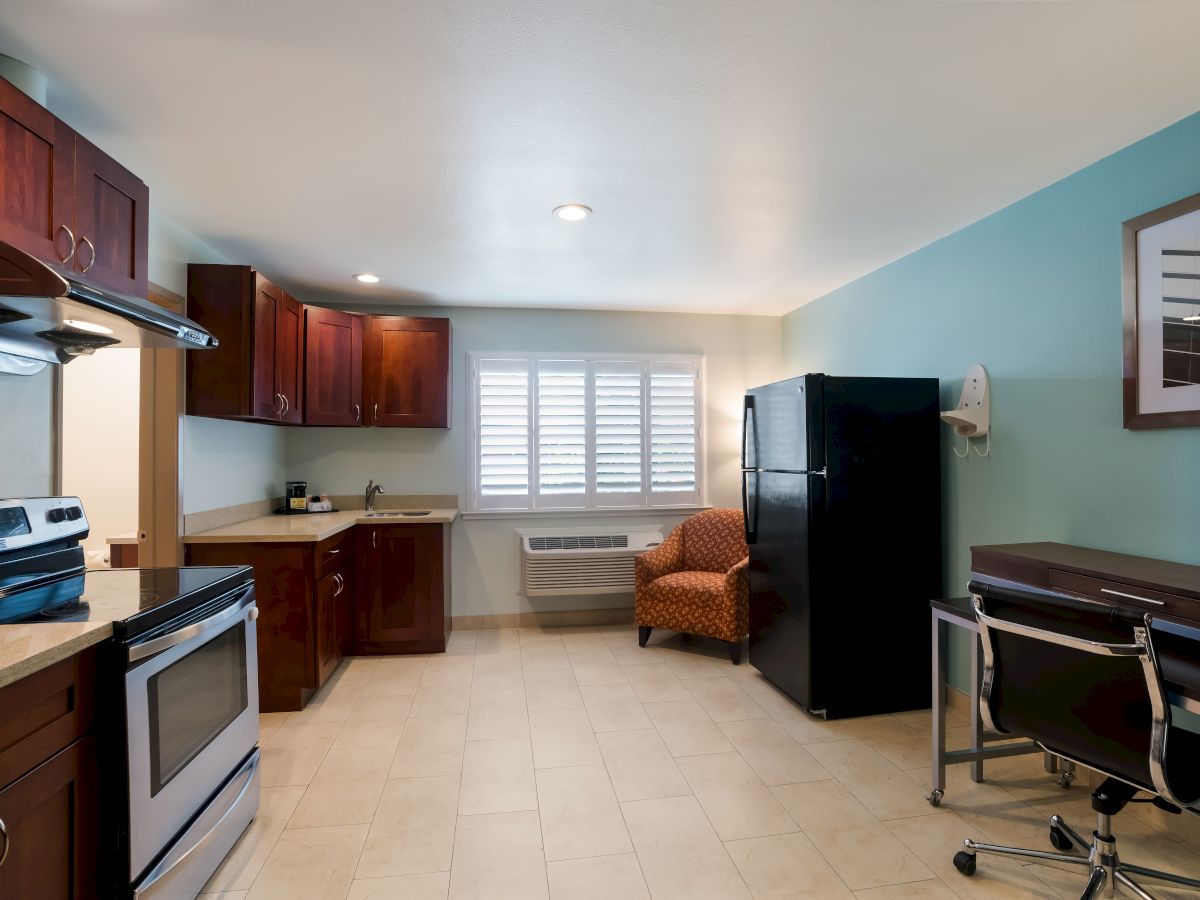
25 649
130 537
311 526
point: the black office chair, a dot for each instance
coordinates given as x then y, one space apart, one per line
1084 680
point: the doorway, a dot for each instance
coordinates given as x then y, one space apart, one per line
120 414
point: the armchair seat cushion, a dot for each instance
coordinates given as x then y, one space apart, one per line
688 587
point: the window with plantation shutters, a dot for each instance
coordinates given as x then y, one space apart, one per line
559 432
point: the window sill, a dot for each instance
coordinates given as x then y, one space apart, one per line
627 512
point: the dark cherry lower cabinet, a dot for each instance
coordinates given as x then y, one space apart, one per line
305 596
403 598
48 783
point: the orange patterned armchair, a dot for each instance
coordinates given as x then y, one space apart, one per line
696 581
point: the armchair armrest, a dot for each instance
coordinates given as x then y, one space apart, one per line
737 579
667 557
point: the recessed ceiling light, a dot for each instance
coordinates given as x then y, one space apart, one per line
367 278
572 212
88 326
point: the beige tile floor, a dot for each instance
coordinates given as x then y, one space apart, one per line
570 763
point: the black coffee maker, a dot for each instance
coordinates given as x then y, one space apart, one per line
295 497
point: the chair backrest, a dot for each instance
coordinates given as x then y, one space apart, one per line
1081 678
714 540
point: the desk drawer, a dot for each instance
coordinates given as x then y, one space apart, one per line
332 552
1122 594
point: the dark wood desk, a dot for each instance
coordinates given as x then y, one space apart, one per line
1168 591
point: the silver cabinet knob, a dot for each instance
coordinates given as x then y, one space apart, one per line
252 614
7 842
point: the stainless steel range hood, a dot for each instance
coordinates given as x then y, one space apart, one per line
49 315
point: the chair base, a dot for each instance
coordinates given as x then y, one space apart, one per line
1107 872
735 647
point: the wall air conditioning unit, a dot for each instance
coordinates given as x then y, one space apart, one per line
571 561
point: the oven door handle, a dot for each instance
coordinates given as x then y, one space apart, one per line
215 622
168 865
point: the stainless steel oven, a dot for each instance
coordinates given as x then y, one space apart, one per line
191 700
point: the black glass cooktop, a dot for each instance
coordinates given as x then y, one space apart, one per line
134 600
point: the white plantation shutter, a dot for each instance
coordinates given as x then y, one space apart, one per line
673 429
562 432
617 400
586 433
502 392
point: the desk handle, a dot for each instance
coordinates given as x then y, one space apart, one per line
1132 597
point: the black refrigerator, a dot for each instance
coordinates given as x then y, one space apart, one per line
841 490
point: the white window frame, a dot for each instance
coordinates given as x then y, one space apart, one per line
591 500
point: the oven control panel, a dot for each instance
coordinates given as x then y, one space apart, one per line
33 521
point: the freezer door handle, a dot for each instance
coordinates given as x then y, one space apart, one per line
749 416
750 516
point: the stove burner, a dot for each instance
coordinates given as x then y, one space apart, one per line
65 611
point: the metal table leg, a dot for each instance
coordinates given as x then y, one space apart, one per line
976 720
939 714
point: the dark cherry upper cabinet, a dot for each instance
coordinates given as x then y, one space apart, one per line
256 371
402 597
333 346
289 359
37 178
112 215
64 200
406 372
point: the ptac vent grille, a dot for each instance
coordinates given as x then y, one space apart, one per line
580 542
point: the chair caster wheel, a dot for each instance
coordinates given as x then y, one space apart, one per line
965 862
935 799
1060 839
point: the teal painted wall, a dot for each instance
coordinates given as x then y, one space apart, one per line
1033 292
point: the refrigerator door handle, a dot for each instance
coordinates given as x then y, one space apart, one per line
748 516
748 415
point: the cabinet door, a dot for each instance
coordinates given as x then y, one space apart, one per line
329 642
264 398
400 597
332 367
407 372
50 819
345 613
112 208
37 177
289 356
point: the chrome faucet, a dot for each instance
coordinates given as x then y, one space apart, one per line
372 490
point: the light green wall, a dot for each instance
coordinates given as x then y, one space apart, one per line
224 463
739 351
1034 293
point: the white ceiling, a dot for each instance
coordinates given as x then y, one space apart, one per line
740 156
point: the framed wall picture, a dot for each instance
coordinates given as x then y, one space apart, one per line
1161 294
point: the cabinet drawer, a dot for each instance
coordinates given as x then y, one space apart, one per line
332 552
44 713
1119 593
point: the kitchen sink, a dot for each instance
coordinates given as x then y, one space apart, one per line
410 513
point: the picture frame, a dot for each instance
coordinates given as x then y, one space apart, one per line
1160 287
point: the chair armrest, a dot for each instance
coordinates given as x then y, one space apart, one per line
664 559
738 577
